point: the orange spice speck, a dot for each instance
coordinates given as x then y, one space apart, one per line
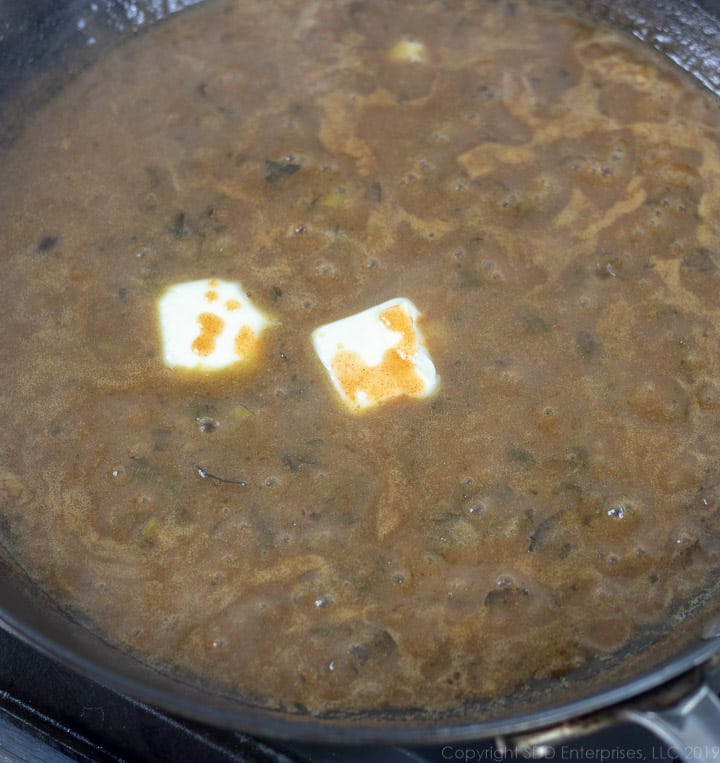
211 326
211 296
232 304
397 319
245 343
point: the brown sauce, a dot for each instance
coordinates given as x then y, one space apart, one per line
546 192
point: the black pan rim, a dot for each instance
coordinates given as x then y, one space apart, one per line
261 721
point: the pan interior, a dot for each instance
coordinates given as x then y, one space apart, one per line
545 190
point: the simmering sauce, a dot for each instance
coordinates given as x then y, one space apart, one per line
545 191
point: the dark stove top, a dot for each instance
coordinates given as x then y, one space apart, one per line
49 714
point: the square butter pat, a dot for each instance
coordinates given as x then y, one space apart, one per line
208 324
377 355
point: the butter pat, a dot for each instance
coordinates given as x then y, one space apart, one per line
410 51
208 325
377 355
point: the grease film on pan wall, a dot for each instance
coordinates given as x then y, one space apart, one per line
361 368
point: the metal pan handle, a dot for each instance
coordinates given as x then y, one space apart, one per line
684 714
690 729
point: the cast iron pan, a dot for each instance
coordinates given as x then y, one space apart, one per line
42 44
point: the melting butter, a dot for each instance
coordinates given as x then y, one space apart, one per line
377 355
208 324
